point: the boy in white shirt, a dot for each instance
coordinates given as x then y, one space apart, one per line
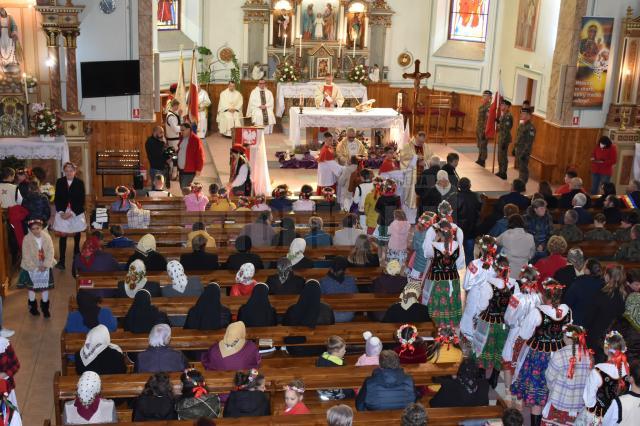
9 194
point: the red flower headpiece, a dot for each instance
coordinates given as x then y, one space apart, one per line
407 344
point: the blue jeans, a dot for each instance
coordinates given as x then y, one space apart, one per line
596 180
469 244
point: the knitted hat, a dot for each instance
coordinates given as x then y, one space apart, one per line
373 346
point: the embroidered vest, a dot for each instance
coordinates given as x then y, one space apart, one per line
605 394
443 266
245 188
494 314
548 336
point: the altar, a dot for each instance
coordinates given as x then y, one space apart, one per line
307 90
375 118
34 148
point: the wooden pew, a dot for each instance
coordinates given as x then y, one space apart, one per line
180 305
226 278
598 249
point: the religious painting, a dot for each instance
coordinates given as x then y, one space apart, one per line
13 117
355 29
528 11
319 20
168 15
468 20
282 28
593 62
323 67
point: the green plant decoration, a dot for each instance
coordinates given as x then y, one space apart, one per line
204 76
235 72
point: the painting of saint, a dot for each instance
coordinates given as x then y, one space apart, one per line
323 67
329 18
527 24
168 15
308 23
355 24
282 28
319 20
13 122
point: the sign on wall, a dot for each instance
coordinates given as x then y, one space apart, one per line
593 62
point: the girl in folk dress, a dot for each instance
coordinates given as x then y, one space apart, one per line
542 329
606 381
37 260
566 378
69 220
418 263
123 204
293 396
196 201
479 270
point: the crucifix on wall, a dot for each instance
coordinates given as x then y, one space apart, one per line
417 77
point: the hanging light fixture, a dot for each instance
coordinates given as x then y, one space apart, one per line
283 5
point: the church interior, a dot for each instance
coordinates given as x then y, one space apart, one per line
89 82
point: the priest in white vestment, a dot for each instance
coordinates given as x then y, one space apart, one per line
329 94
260 107
229 110
204 102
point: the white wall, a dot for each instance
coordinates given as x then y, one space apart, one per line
107 38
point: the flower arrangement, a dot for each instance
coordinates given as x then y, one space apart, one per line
358 74
287 73
45 121
31 81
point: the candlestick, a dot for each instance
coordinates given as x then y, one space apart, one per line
26 92
354 47
300 47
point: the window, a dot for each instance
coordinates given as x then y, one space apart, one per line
468 20
168 15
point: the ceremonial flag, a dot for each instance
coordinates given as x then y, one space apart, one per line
180 90
405 137
193 91
494 110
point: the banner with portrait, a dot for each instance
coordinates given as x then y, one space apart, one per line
593 62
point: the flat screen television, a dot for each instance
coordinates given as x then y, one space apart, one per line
110 78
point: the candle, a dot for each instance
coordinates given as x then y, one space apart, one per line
301 99
300 47
354 47
284 46
340 47
26 92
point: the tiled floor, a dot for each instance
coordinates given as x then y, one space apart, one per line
37 341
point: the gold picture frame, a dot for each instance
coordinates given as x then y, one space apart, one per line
323 67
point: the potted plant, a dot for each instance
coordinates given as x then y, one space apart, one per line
287 73
204 76
358 74
300 151
46 122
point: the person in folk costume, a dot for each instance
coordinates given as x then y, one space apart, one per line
345 197
521 303
240 178
69 202
328 95
386 205
566 377
328 168
196 201
123 204
606 381
418 263
441 292
35 267
260 107
260 203
9 415
543 330
229 110
304 202
479 270
9 367
172 95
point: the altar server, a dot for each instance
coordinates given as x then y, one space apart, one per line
204 102
229 110
328 169
260 107
328 95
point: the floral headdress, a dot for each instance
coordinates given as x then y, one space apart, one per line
196 187
488 250
34 222
446 336
617 356
389 187
123 192
501 266
426 220
253 375
529 279
579 335
281 191
259 199
292 388
243 201
445 210
377 185
407 344
329 194
552 291
199 388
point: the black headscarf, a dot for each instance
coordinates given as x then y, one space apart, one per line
142 315
258 312
88 308
307 309
243 243
205 314
338 268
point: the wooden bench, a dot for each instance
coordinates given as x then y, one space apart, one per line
226 278
359 302
546 168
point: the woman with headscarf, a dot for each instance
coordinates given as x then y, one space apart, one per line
243 247
159 356
89 314
361 254
337 282
146 251
135 280
296 255
244 281
309 311
629 326
234 352
466 389
408 309
93 259
208 313
287 234
99 354
285 281
391 282
181 285
258 312
88 407
142 315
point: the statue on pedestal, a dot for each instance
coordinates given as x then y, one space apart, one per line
10 49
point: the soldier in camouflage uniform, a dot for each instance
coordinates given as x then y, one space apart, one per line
630 251
524 143
570 231
599 233
505 123
481 125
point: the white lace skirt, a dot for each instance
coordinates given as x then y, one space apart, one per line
76 223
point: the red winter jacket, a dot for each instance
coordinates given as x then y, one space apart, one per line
195 154
608 156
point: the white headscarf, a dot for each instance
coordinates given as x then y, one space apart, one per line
245 274
136 278
98 339
89 386
177 275
160 335
296 250
146 244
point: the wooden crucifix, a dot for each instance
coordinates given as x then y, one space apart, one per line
417 77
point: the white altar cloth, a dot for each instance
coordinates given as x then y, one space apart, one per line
34 148
308 90
375 118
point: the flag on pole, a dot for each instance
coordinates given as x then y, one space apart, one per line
193 91
494 110
406 137
180 90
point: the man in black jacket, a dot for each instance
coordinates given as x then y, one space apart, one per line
199 259
427 178
452 162
575 186
514 197
466 206
388 387
155 147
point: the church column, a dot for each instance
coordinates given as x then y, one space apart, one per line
53 62
70 37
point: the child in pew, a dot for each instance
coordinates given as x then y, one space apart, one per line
195 400
599 233
334 357
156 402
260 204
373 347
123 204
293 396
250 398
119 240
243 204
220 199
196 201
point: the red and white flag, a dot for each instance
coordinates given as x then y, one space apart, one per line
193 91
494 111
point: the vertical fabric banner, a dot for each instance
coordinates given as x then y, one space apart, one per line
593 62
